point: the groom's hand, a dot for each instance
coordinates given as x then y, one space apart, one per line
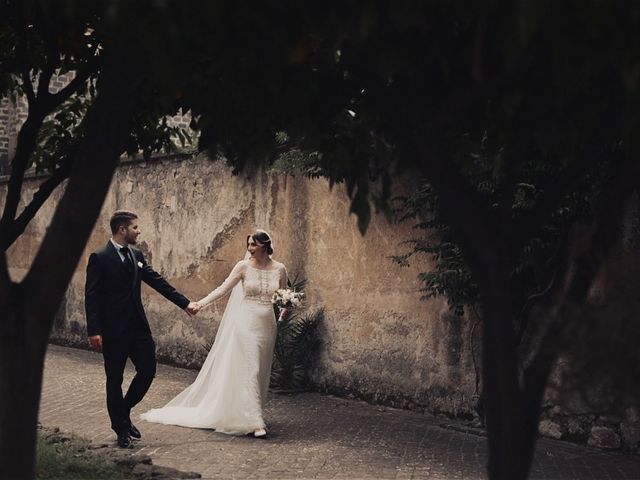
95 341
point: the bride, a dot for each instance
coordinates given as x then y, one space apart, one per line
230 390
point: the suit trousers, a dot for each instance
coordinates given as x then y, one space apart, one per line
138 345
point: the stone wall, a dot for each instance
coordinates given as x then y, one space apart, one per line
379 340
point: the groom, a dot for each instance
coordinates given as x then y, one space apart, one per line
116 321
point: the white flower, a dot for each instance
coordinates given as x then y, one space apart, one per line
285 298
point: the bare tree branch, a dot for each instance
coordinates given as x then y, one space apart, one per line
26 144
44 80
28 88
74 86
39 108
39 198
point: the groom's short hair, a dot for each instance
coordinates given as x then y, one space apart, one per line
121 218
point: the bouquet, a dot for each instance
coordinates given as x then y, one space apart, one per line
287 298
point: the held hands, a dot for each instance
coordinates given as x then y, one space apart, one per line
193 308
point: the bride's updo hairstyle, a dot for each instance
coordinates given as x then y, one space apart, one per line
261 237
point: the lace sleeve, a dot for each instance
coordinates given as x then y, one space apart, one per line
231 281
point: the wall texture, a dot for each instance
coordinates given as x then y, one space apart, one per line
379 340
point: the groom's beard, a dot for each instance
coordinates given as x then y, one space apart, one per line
131 239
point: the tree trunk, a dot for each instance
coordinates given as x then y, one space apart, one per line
485 248
504 406
21 366
27 309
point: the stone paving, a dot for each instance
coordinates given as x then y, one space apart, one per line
311 435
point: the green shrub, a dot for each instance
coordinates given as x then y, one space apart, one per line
296 344
62 457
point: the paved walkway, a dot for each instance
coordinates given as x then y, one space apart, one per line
311 435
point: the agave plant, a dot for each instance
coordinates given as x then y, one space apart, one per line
296 343
296 284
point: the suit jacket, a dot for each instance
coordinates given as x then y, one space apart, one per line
112 294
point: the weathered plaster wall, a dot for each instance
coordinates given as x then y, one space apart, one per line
379 339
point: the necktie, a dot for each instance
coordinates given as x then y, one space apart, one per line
127 258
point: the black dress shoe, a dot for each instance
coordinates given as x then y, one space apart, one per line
134 432
124 441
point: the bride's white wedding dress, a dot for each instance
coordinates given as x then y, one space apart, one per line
231 387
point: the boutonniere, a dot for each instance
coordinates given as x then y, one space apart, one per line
140 265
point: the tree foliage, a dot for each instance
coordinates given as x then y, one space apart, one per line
536 259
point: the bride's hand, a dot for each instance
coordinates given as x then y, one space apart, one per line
284 314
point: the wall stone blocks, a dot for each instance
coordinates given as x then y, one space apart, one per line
630 433
604 437
550 429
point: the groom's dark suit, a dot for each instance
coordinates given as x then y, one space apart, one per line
114 310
